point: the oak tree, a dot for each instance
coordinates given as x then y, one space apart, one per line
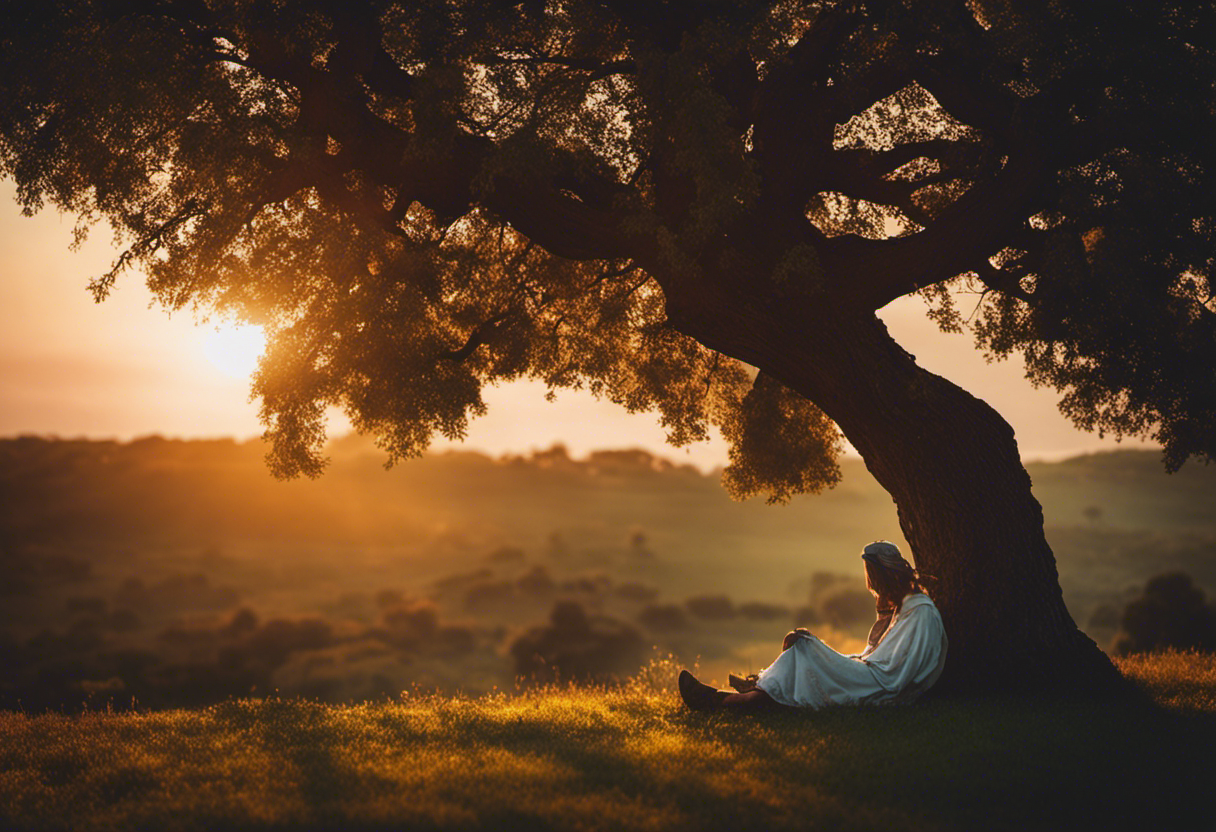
690 207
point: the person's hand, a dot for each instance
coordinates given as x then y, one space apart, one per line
790 638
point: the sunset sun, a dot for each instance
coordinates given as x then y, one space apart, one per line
235 350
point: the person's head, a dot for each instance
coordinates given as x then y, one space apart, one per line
889 577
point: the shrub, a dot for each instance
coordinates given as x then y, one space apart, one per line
83 635
537 581
588 584
506 554
410 627
488 593
575 646
711 607
662 618
635 591
454 640
806 617
280 637
123 621
241 622
87 604
176 592
821 582
847 606
1172 613
1105 617
760 611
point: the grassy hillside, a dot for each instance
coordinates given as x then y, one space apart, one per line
627 758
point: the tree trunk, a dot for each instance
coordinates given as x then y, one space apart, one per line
963 497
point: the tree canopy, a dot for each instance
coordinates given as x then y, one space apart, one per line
419 199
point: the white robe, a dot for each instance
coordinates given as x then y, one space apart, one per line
906 662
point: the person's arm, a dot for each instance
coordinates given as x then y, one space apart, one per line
877 632
864 653
912 653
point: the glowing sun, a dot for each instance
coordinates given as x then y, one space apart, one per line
235 350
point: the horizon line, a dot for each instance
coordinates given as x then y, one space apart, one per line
447 446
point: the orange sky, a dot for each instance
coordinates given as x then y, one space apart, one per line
121 369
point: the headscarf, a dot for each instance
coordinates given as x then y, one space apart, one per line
885 554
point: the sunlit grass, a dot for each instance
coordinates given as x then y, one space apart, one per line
569 757
1181 680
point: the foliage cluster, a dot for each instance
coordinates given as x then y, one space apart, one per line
419 199
1171 613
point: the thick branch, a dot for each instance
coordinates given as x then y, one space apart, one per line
335 105
854 167
360 52
969 230
792 129
561 224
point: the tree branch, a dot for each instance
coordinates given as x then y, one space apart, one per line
611 274
966 232
792 131
481 334
857 165
445 171
598 69
1002 280
145 246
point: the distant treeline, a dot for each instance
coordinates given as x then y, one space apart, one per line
186 489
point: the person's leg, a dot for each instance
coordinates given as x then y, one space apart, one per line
697 695
753 700
702 697
746 684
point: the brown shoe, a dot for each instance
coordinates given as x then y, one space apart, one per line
698 696
743 684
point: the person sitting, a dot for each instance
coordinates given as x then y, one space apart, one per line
904 655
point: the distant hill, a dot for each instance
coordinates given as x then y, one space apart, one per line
182 572
168 489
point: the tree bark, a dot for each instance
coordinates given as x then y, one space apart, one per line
964 500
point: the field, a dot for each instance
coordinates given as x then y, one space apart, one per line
165 574
629 757
474 643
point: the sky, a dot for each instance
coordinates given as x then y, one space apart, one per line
126 368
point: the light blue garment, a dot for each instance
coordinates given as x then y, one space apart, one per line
906 663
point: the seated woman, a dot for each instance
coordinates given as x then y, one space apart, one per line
904 656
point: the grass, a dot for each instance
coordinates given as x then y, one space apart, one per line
625 758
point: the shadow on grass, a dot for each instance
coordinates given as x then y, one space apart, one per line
629 758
